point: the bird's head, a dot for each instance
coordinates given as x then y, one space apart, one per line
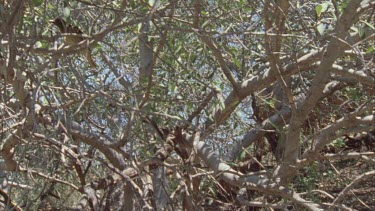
59 22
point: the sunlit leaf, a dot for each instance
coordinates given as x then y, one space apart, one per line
38 44
324 7
151 2
66 12
321 28
318 10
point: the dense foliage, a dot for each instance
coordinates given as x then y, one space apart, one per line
192 105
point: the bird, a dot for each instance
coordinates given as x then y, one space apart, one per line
74 36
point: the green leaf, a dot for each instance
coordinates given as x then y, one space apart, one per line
334 15
151 2
221 103
321 8
139 27
370 49
369 25
97 46
66 12
361 32
38 44
172 87
324 7
242 155
237 63
178 49
271 103
46 32
41 44
36 3
227 167
318 10
242 2
205 23
321 28
189 105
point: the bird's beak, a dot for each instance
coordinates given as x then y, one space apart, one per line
51 21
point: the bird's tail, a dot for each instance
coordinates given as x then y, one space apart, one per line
89 58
